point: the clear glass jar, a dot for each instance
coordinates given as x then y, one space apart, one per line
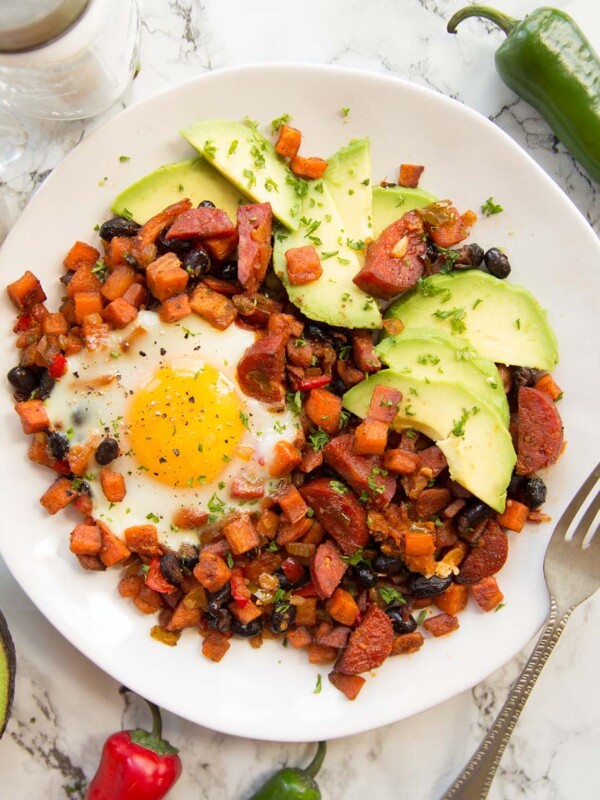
67 59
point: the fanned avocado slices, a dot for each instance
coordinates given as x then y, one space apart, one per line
8 667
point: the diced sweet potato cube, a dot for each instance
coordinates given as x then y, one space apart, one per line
148 601
292 504
135 295
384 404
349 685
187 518
308 168
220 248
117 282
514 516
26 291
419 543
288 141
79 456
143 540
116 250
58 495
113 550
165 277
441 624
306 614
407 643
311 459
175 308
113 485
119 313
184 617
92 563
211 571
215 645
342 607
130 586
363 350
241 534
324 409
547 384
85 540
299 637
303 265
401 461
487 593
424 564
321 653
247 487
95 331
292 532
249 612
84 280
55 325
33 415
453 599
286 457
213 307
370 437
38 450
87 303
81 253
409 175
267 524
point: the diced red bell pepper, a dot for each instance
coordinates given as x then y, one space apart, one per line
155 579
315 382
63 467
23 324
58 366
292 569
307 591
239 590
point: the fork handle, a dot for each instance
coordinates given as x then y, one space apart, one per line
475 780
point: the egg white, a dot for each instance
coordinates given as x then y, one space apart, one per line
80 406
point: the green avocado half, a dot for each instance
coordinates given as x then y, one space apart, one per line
8 668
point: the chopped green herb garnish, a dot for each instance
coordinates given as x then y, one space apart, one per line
458 428
422 617
318 687
329 254
391 595
456 316
216 505
318 439
229 558
294 401
244 420
355 558
355 244
270 185
338 487
233 147
247 173
124 159
500 606
153 517
209 149
345 112
489 208
279 121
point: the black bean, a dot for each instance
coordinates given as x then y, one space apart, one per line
515 485
23 379
497 263
171 569
365 576
470 256
66 278
221 596
431 252
118 226
107 451
337 386
247 631
196 262
46 385
472 515
206 204
524 376
420 586
252 554
286 584
166 245
188 555
387 565
79 416
282 618
58 445
229 272
221 620
320 332
531 492
402 621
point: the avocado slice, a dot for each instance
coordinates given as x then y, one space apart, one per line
194 178
503 322
348 176
333 298
8 667
391 202
250 162
468 430
424 352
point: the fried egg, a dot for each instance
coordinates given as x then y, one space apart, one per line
168 393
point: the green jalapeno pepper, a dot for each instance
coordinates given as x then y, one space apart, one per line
548 61
292 783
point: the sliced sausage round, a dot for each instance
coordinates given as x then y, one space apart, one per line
487 557
369 644
342 516
327 569
540 436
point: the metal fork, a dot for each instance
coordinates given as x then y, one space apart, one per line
572 575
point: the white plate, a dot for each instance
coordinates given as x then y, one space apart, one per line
268 694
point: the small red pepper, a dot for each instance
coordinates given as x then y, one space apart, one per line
307 591
136 765
292 569
239 590
155 579
23 323
58 366
314 383
62 466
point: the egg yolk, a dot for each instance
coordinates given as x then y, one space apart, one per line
184 424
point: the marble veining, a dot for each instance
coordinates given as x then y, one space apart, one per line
65 707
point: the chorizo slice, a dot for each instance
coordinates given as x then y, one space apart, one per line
363 349
395 262
327 569
363 473
487 556
369 644
201 223
540 436
342 516
255 225
432 458
261 369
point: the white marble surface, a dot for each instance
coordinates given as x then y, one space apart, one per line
65 707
